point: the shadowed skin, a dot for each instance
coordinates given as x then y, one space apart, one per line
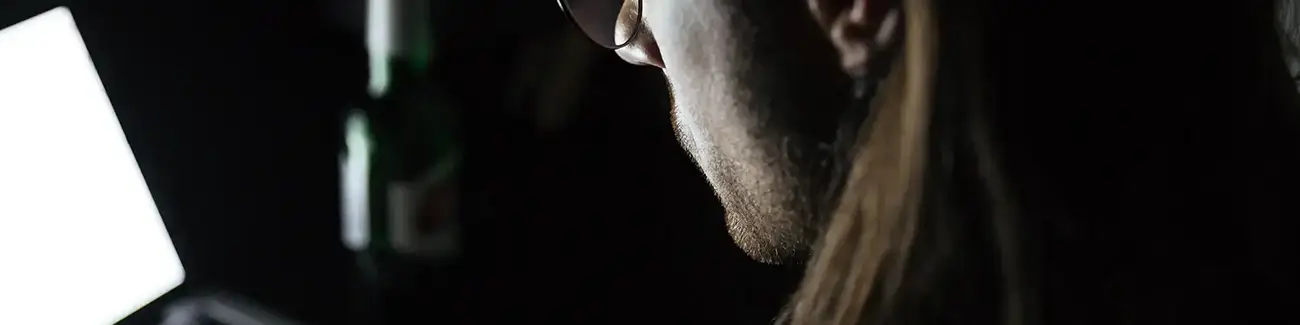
757 96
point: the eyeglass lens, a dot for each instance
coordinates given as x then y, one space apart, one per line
598 19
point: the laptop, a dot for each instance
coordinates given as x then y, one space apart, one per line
81 241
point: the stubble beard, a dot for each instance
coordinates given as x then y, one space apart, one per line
768 184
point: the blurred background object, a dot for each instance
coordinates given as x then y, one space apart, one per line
220 309
1288 26
574 203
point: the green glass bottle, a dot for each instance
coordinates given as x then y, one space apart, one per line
403 144
401 159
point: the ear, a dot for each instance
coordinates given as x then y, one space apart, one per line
857 28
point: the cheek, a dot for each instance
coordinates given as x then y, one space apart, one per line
687 32
700 65
689 131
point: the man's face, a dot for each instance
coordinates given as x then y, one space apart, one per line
758 90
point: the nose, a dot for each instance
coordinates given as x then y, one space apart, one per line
641 52
642 48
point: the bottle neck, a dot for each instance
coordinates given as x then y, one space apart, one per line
397 31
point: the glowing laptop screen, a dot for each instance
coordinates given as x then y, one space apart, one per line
81 241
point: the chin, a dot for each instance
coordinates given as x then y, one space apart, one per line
772 234
768 213
761 170
767 246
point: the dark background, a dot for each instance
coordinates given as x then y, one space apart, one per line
583 210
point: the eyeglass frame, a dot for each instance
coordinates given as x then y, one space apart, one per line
636 31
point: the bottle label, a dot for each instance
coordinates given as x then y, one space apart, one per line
421 216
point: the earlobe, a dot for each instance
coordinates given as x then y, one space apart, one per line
857 28
827 11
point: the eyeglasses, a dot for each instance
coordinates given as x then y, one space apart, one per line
599 19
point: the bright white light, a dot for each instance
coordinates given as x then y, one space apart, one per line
81 241
355 169
379 42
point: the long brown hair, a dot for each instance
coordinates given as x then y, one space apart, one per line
861 267
889 238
